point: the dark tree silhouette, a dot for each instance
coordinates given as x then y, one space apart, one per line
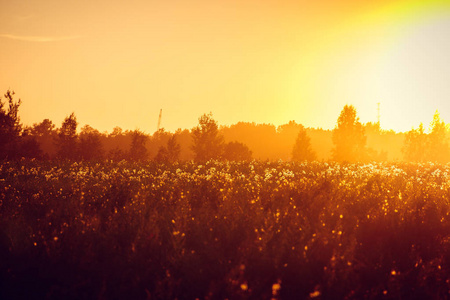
46 127
348 137
117 131
207 143
117 144
90 146
10 126
117 154
236 151
29 147
45 134
302 148
170 153
138 151
66 141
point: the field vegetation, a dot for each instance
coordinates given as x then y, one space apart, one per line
191 215
216 230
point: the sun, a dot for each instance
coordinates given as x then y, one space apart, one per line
396 56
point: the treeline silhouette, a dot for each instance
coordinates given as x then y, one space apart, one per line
349 141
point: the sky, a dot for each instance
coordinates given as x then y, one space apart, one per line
117 63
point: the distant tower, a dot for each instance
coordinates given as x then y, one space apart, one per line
159 119
378 113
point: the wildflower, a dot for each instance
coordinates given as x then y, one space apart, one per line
315 294
276 288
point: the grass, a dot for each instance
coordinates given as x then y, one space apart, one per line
254 230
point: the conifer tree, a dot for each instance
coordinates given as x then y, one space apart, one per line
302 150
348 137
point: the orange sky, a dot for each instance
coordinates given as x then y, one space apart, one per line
118 63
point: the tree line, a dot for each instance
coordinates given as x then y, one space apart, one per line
45 141
349 141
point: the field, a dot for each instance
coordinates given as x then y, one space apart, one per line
255 230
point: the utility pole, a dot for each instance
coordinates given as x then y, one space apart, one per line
159 119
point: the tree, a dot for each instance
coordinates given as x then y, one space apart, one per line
236 151
29 147
438 149
117 144
10 126
138 151
117 131
419 146
45 134
90 146
173 149
348 137
302 148
158 142
170 153
415 145
117 154
67 138
45 128
207 143
184 139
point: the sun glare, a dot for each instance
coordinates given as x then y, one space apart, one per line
396 56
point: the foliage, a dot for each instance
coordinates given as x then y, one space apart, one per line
438 149
415 144
46 127
138 151
67 139
170 153
348 137
302 150
262 139
29 147
90 146
353 142
218 230
420 147
235 151
158 144
10 126
207 142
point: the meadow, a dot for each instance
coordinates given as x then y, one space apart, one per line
217 230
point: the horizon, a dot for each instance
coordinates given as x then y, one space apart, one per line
426 126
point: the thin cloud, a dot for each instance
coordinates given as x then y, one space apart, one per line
39 39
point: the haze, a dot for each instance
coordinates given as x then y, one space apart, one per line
118 63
